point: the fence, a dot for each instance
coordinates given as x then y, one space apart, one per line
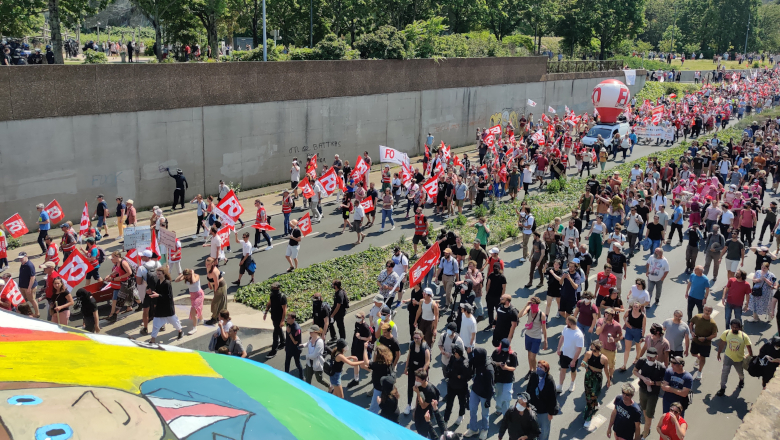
583 66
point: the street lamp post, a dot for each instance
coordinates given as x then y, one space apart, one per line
265 47
98 29
311 24
747 32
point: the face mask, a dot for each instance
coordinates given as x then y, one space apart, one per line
549 229
417 383
449 332
587 302
519 407
540 371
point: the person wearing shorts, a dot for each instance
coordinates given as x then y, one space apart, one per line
570 346
703 331
293 246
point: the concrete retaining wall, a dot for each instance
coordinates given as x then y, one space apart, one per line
73 158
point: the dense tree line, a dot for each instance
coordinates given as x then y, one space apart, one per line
429 28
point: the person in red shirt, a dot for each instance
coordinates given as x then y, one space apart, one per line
736 296
51 274
605 281
541 166
672 426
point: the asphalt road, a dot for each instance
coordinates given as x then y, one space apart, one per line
707 416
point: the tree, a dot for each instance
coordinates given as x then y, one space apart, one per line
462 14
769 30
209 12
250 14
156 11
670 40
501 17
67 12
609 21
543 17
21 17
421 37
385 43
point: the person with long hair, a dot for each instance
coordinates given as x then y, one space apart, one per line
596 238
381 366
595 363
61 301
635 326
164 310
554 286
418 357
192 281
121 273
217 285
388 400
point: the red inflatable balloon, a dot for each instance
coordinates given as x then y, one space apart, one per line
610 98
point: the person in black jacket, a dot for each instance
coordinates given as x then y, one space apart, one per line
541 389
520 420
388 401
181 185
164 310
458 376
481 392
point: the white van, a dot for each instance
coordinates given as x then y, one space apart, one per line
607 131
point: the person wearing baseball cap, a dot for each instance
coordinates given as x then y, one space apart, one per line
505 361
427 318
650 372
27 281
520 420
294 245
315 352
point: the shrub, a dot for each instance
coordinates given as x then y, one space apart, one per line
553 187
92 57
301 53
384 44
756 65
519 41
480 211
332 48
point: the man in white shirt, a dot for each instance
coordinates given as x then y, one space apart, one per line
569 348
634 223
468 327
401 268
571 233
357 222
526 223
725 220
657 268
315 203
295 177
147 268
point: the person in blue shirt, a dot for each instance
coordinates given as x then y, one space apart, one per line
44 224
429 140
697 291
677 221
93 254
633 138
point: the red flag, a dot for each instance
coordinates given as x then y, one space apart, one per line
224 236
340 183
229 208
133 258
429 259
3 247
445 151
427 152
502 175
658 113
432 187
512 140
304 224
329 181
12 294
55 212
85 223
361 168
406 174
484 169
538 137
312 164
263 227
456 162
495 130
305 188
75 268
439 169
15 226
155 248
545 118
367 204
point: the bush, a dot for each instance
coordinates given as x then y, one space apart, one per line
301 53
385 44
756 65
639 63
519 41
92 57
333 48
653 90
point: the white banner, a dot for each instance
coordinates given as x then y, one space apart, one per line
663 133
168 238
630 77
392 155
139 237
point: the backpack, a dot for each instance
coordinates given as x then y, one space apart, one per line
327 365
346 300
101 256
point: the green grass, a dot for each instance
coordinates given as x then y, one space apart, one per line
653 90
702 65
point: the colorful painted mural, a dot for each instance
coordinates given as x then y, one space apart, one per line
60 384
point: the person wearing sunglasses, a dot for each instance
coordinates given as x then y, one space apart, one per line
672 426
625 418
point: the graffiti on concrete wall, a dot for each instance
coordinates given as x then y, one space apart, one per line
503 117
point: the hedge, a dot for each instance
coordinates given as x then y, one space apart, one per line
358 271
653 90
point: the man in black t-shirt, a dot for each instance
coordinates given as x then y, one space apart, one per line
340 303
427 397
593 186
495 286
291 345
506 320
320 313
643 212
373 193
651 374
101 212
626 416
293 246
616 258
277 304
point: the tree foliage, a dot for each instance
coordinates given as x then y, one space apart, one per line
386 43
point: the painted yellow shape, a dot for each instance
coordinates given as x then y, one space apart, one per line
90 363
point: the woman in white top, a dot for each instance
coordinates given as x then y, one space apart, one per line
246 259
595 238
639 293
636 173
315 349
660 199
216 245
192 281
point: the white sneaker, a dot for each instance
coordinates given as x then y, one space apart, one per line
408 410
392 228
587 424
193 331
483 435
268 248
459 420
571 387
470 433
558 389
381 229
522 260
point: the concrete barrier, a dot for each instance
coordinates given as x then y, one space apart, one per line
75 155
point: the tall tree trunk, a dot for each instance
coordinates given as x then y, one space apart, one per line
56 36
158 39
255 33
212 33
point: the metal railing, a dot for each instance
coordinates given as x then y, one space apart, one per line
583 66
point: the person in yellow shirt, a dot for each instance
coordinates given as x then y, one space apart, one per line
734 341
